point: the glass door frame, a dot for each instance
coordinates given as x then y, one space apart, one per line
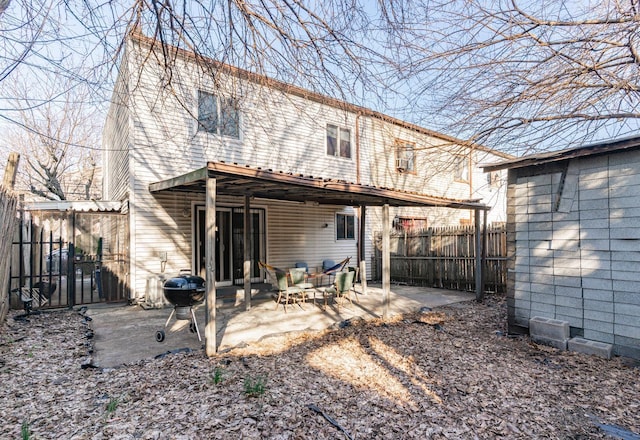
199 242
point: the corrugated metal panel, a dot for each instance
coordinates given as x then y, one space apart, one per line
75 205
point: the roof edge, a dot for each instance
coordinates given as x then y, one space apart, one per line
300 92
613 146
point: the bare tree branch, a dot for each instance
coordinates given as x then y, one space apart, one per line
517 76
507 75
56 168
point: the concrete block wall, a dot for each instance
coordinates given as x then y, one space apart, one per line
551 332
624 219
576 249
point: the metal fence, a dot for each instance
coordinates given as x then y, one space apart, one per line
63 259
444 257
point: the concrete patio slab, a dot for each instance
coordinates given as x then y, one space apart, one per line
125 334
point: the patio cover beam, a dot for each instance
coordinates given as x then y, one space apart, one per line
238 180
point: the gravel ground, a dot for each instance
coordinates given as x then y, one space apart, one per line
449 373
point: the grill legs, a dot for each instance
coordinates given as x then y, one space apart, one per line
193 325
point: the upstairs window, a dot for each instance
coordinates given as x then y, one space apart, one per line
218 115
493 179
338 141
345 227
461 170
405 157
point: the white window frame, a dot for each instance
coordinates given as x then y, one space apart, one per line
345 229
341 133
405 156
216 124
493 179
461 169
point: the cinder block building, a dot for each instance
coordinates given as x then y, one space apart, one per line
573 219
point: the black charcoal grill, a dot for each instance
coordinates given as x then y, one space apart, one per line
183 291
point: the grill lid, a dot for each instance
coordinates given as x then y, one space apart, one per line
185 282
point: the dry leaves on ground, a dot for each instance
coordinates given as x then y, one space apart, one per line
449 373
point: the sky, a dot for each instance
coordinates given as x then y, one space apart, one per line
76 53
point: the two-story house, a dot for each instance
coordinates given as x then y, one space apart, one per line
306 165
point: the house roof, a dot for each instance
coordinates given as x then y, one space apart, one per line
308 94
241 180
615 146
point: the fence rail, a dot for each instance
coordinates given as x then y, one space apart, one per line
444 257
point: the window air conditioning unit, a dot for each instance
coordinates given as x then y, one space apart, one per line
402 164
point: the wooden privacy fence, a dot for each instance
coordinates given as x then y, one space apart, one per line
444 258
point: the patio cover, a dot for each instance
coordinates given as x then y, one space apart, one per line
245 181
240 180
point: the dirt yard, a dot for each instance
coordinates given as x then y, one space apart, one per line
450 373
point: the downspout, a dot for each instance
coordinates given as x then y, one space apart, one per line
357 141
362 209
470 165
360 249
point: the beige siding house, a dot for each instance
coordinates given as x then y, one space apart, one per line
159 128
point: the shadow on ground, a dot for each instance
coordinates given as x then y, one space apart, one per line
124 333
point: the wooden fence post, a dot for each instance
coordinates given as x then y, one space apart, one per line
8 220
478 255
11 171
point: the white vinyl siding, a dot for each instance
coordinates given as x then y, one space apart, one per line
278 131
304 237
116 140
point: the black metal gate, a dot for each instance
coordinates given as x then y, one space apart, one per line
64 259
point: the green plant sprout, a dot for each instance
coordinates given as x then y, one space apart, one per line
254 387
25 432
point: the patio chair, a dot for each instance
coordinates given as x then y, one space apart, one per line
356 272
341 288
299 278
278 278
329 269
286 293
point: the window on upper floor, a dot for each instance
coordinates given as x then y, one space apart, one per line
405 157
345 227
338 141
461 168
493 179
218 115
